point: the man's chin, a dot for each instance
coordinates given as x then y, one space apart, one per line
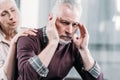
64 42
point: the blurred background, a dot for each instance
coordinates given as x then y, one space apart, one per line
102 19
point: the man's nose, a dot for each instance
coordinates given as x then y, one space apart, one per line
70 29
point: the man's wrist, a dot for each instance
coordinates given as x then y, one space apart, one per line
87 58
89 65
95 70
84 49
53 43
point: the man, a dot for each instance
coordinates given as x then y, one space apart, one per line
56 49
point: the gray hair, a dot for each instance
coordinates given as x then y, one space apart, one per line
70 4
14 3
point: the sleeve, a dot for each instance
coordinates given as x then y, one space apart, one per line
38 66
95 70
93 74
29 65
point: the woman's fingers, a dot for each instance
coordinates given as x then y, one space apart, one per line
29 32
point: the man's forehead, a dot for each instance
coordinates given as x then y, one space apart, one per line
68 14
69 20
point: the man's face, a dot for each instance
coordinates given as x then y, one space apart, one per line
9 15
67 23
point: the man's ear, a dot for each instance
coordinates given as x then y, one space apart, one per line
50 17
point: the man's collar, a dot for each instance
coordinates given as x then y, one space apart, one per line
45 39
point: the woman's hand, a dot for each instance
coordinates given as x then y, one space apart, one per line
23 33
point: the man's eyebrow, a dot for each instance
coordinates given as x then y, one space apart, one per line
61 19
12 7
64 20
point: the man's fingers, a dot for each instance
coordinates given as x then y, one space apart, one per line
83 30
75 37
54 19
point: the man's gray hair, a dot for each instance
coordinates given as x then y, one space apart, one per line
70 4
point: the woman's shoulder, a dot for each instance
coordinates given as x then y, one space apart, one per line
1 35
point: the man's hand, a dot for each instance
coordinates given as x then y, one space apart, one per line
81 41
47 53
51 30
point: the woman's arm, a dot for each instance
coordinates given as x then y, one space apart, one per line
10 61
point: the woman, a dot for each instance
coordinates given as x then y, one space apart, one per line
9 22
